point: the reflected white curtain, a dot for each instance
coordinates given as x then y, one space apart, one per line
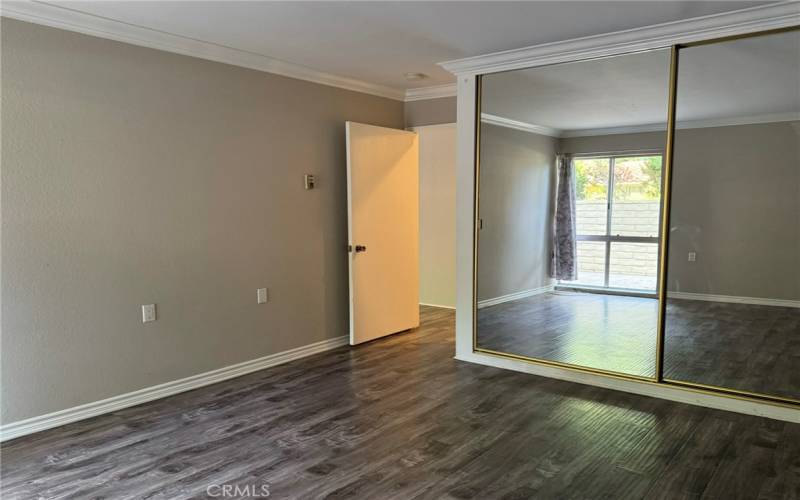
564 265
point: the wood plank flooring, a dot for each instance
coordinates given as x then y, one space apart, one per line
399 418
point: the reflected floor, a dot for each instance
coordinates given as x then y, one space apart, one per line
739 346
609 332
752 348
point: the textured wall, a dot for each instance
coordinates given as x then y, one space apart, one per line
430 111
133 176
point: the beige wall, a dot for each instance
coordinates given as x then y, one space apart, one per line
437 214
430 111
132 176
517 180
736 204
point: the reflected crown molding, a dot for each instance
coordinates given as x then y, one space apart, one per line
750 20
518 125
689 124
634 129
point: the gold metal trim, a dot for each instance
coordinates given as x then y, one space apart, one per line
729 392
566 366
666 198
672 384
737 393
476 226
659 380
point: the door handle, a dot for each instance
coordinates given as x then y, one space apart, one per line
361 248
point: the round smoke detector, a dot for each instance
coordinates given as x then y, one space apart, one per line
413 77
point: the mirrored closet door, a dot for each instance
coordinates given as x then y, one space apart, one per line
569 195
733 275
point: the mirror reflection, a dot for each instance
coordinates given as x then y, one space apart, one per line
570 189
733 280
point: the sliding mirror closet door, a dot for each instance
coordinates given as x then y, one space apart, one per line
569 196
733 276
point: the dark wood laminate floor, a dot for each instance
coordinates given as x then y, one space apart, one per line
399 418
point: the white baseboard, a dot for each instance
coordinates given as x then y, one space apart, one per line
437 305
515 296
651 389
733 299
62 417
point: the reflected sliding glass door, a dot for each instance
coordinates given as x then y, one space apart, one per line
618 201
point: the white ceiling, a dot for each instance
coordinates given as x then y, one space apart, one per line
749 80
378 42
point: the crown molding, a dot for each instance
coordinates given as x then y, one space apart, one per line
518 125
56 16
760 18
432 92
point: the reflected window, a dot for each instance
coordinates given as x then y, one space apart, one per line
618 234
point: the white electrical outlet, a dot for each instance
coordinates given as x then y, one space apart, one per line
148 313
263 296
692 256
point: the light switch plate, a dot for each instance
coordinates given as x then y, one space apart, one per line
263 296
692 256
148 313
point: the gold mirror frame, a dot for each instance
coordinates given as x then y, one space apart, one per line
663 249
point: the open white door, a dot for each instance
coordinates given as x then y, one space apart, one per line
383 230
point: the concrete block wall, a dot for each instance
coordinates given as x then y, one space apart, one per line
631 218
